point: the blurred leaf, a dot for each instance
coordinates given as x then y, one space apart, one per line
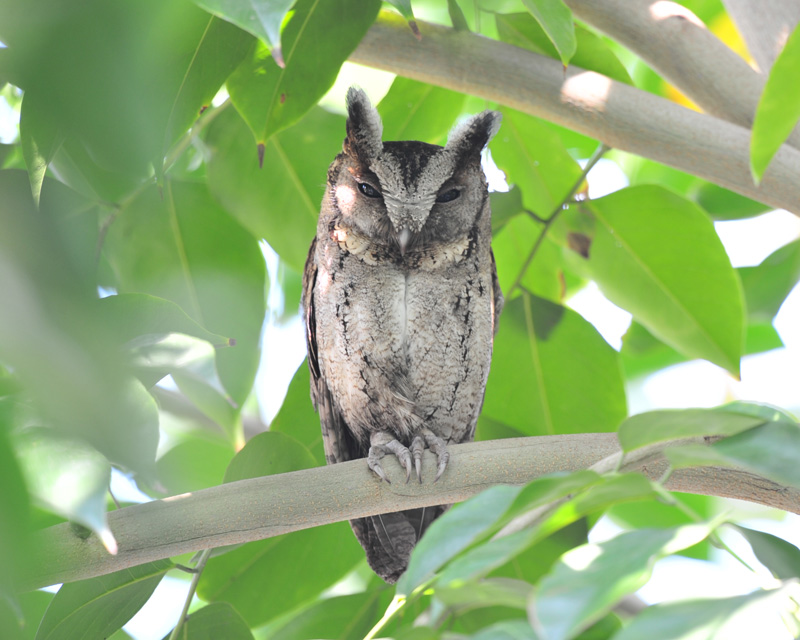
213 622
97 607
767 285
15 518
556 20
505 205
672 424
651 270
545 356
778 109
267 454
68 477
779 556
271 98
586 583
194 464
533 158
486 593
762 410
454 531
297 417
264 579
338 618
404 7
185 248
292 179
457 16
723 204
21 623
415 110
132 315
592 54
506 630
40 138
262 18
707 617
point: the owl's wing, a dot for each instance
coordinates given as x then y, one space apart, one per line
498 295
337 440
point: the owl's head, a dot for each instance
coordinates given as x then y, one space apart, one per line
410 194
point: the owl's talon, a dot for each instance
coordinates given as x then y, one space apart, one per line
383 444
439 448
444 458
417 448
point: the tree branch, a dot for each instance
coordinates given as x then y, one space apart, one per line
621 116
764 27
672 40
264 507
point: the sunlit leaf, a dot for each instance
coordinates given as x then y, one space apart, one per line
590 579
545 356
778 109
267 454
346 617
271 98
486 593
297 417
97 607
767 285
782 558
194 464
453 532
40 137
556 19
649 247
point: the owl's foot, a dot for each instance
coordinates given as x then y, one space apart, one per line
383 443
437 446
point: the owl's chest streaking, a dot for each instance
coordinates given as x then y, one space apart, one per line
404 340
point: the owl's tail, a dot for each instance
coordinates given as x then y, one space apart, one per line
389 538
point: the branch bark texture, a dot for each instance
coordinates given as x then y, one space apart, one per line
619 115
264 507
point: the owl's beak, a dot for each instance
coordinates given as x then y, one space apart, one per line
403 239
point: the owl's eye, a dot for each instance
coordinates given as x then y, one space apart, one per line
448 196
368 190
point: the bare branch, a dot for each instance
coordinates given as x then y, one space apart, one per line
264 507
672 40
621 116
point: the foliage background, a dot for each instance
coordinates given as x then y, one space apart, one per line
160 148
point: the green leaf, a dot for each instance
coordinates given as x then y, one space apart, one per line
132 315
708 617
457 16
545 356
649 247
556 20
215 621
40 138
267 454
68 477
723 204
293 178
343 617
262 18
297 417
15 517
185 248
533 158
767 285
20 621
271 98
404 7
589 580
672 424
264 579
506 630
486 593
454 531
413 110
219 50
193 464
505 205
779 556
778 109
97 607
592 54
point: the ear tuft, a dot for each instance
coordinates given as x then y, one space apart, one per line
471 136
364 127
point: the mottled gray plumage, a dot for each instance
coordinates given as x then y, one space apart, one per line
401 301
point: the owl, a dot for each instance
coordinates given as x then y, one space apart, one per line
401 300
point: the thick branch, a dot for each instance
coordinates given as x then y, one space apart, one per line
764 26
672 40
621 116
263 507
